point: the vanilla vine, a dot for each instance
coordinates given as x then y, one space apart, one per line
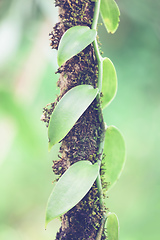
78 179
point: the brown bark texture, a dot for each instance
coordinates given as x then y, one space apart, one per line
84 220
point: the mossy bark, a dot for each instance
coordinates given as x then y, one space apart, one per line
82 142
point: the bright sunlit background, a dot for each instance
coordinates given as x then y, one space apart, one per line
28 83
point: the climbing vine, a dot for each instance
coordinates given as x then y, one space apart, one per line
91 154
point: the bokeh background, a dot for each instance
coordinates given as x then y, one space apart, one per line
28 83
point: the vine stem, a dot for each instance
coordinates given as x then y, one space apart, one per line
99 60
95 44
102 139
98 180
96 14
99 185
99 235
100 64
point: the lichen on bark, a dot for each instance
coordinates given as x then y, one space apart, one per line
84 220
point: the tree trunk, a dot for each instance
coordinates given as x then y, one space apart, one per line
82 142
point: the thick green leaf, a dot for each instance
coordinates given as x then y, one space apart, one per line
71 106
71 188
73 41
114 150
112 225
110 15
109 82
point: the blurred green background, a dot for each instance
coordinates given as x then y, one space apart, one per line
28 83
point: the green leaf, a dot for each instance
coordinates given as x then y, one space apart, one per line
71 188
73 41
114 150
112 225
109 82
71 106
110 15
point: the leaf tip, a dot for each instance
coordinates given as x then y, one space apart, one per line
49 146
46 223
48 218
59 61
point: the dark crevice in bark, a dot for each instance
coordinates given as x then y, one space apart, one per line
81 143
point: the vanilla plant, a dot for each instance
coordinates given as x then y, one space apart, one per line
91 154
